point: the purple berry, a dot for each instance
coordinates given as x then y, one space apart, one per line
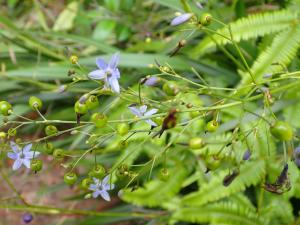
247 155
27 218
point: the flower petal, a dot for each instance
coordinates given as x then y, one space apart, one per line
17 164
96 193
114 60
97 75
27 148
105 195
151 112
181 19
12 155
26 163
151 122
14 147
109 187
114 84
101 64
135 111
143 109
105 180
116 73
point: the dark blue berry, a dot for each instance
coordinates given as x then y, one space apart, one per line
247 155
27 218
297 156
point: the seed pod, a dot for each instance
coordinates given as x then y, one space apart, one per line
74 59
70 178
206 19
35 103
36 165
282 131
50 130
5 108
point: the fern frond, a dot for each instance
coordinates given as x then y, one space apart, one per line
250 174
253 26
156 192
224 212
282 50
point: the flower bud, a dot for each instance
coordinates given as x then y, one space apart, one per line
181 19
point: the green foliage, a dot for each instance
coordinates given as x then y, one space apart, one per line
253 26
157 192
250 174
219 213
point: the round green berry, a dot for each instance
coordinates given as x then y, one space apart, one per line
164 174
49 148
196 143
282 131
70 178
5 108
58 153
123 129
12 132
35 103
80 108
2 135
100 120
36 165
212 126
206 19
170 88
98 171
50 130
85 183
92 102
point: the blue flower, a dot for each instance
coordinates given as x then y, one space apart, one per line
21 156
181 19
101 188
151 81
109 73
142 111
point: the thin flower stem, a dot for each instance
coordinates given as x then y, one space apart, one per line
41 115
63 211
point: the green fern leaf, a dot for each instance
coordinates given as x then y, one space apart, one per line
250 174
156 192
252 26
224 212
282 50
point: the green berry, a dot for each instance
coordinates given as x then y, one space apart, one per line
50 130
170 88
2 135
12 132
5 108
36 165
92 102
85 183
98 172
70 178
164 174
206 19
123 128
196 143
49 148
99 119
80 108
212 126
35 103
58 154
282 131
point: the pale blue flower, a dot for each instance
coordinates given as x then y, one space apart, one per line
181 19
21 156
142 111
101 188
109 73
151 81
